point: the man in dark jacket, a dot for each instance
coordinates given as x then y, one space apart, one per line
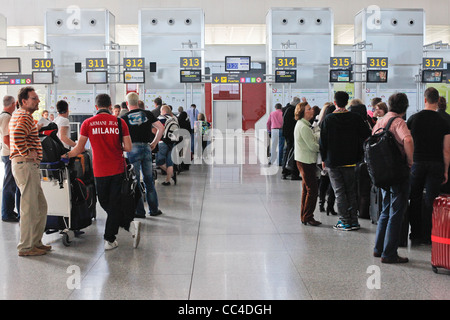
363 182
342 134
431 135
288 133
442 106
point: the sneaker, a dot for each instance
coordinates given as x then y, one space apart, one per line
135 230
33 252
355 226
341 226
111 245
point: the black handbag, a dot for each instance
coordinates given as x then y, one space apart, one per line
290 160
130 192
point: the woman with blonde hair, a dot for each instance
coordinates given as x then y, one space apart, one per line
306 150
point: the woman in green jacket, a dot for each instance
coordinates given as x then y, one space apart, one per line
306 150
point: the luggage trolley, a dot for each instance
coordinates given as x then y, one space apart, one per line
55 183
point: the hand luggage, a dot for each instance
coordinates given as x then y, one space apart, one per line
52 147
376 201
385 163
440 233
80 168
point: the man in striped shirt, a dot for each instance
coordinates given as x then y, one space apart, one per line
25 155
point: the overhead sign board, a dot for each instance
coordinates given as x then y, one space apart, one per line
377 76
285 76
190 76
39 64
341 62
432 76
377 62
96 63
340 75
22 79
190 62
43 77
237 63
433 63
96 77
9 65
134 76
286 62
241 77
134 63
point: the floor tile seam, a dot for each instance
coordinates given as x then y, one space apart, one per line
197 238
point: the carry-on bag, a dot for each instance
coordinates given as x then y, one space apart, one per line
376 201
440 233
52 147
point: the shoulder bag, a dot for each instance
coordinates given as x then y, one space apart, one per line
130 193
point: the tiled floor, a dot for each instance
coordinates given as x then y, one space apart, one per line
227 232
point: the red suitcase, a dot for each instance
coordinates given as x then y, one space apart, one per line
440 233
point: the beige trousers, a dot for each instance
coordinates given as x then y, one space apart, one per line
33 205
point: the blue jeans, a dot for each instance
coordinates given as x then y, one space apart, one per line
277 147
164 155
395 204
141 158
10 193
343 181
108 193
424 175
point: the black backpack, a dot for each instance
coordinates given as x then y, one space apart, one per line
52 147
385 162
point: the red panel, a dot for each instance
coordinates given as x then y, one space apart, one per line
229 91
253 104
208 103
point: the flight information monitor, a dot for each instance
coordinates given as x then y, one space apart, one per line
42 77
134 76
9 65
377 76
96 77
285 76
190 76
432 76
340 75
237 63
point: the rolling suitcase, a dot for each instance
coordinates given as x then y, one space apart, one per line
440 233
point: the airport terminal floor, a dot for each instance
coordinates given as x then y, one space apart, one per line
227 233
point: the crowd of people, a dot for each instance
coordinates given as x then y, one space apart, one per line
146 137
327 146
325 143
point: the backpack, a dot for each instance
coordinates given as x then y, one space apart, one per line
52 147
170 126
385 163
